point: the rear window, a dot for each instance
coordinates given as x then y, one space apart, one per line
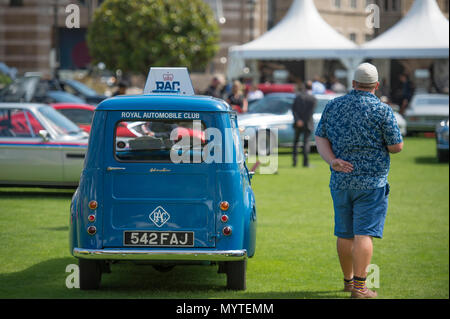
159 140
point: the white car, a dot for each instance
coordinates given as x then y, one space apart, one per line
426 111
274 111
39 147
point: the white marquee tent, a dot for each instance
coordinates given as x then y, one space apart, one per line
303 34
422 33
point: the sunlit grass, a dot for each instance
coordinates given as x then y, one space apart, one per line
295 256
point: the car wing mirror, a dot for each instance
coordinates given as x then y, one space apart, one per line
44 135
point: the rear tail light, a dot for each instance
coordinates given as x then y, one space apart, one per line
91 218
224 205
93 204
226 230
92 230
224 218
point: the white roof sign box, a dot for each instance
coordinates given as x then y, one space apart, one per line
169 81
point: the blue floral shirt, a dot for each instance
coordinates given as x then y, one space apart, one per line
359 127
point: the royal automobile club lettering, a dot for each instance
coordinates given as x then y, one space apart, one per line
161 115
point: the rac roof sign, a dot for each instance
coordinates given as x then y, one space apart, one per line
169 81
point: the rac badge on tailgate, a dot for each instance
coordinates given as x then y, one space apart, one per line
159 216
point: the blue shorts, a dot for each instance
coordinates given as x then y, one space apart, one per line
360 212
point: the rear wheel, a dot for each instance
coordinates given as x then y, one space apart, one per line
236 274
90 274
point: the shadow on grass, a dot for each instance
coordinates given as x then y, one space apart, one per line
62 228
429 160
48 280
25 193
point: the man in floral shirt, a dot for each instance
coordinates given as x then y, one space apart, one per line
355 136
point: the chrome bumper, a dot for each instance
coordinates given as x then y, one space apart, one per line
175 255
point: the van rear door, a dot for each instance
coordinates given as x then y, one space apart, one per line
149 200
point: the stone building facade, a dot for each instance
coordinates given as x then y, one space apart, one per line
28 38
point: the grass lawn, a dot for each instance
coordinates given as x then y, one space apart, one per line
295 255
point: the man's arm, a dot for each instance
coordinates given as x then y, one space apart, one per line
391 133
325 151
395 148
296 112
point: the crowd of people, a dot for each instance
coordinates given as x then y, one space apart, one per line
235 94
240 95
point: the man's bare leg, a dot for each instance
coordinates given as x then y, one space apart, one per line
362 255
345 253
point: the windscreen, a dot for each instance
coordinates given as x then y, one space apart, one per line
274 105
158 140
59 122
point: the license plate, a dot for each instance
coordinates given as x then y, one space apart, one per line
158 238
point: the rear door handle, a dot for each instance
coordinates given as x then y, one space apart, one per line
111 168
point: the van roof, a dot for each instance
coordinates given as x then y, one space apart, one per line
164 102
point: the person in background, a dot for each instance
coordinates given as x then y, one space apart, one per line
355 136
254 93
384 89
121 89
317 86
236 99
302 109
406 92
214 89
337 86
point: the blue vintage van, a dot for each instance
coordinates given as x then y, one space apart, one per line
165 183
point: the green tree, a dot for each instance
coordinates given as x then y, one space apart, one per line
133 35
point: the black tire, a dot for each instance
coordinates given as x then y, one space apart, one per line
90 274
236 274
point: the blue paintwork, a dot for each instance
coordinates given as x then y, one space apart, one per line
190 192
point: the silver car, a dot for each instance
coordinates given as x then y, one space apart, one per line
39 147
274 111
426 111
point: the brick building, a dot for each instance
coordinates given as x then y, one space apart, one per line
31 29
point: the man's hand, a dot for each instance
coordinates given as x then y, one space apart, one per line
325 151
341 166
299 123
